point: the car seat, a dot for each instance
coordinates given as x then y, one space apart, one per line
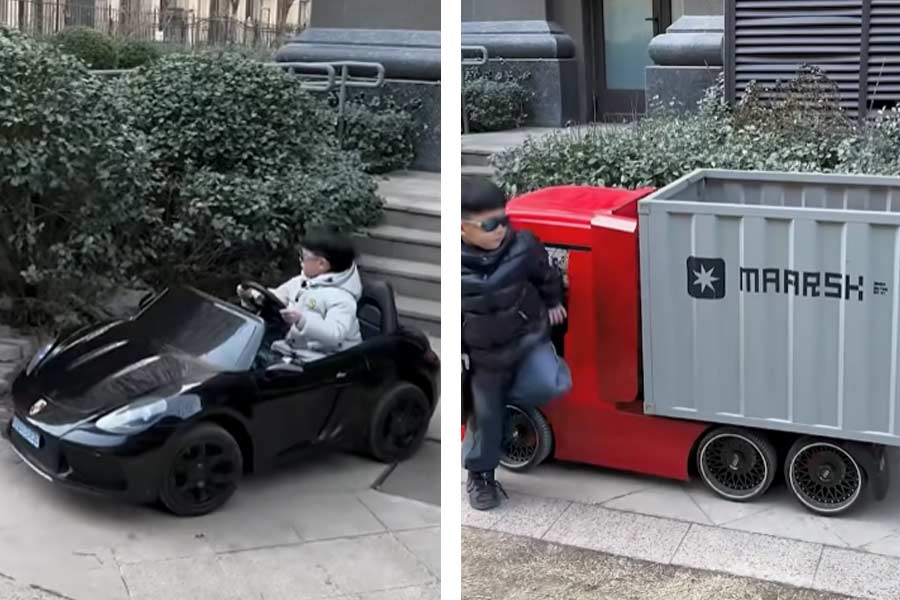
376 310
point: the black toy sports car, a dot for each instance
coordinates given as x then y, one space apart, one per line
178 402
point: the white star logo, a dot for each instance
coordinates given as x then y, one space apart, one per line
705 278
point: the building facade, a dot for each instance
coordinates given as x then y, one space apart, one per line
593 54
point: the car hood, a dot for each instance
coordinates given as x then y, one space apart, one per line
111 369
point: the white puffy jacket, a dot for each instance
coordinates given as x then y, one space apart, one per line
327 303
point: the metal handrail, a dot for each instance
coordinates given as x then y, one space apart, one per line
476 62
346 79
471 62
316 85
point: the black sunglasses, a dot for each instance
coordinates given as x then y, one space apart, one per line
492 224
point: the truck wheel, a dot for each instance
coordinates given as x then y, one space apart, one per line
823 476
527 439
737 464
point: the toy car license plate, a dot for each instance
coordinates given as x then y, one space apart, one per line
30 435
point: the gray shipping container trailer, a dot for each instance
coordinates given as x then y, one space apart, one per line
770 300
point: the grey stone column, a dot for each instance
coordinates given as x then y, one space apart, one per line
688 59
403 36
520 40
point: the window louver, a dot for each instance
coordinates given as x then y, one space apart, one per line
855 42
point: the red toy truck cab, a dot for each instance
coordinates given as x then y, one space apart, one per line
592 234
601 421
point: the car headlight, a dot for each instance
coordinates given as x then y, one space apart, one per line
39 356
135 417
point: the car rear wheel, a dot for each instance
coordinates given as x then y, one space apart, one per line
527 439
737 464
823 476
203 471
399 423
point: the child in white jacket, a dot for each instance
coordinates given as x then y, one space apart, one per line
321 301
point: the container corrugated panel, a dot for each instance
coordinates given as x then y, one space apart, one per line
770 300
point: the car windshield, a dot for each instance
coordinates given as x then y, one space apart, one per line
203 327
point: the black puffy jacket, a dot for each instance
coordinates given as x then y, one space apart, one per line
505 296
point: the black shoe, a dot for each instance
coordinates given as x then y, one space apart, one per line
484 491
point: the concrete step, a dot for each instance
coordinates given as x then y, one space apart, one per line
424 315
401 242
412 184
478 170
412 213
409 278
476 158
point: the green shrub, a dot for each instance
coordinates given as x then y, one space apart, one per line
95 49
137 53
73 179
244 159
495 103
382 133
797 131
227 114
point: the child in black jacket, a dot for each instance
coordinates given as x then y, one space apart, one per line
511 295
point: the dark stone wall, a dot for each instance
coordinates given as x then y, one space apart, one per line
377 14
504 10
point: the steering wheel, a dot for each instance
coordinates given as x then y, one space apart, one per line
270 305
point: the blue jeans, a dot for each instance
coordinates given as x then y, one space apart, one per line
539 378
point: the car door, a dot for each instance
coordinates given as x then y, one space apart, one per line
295 403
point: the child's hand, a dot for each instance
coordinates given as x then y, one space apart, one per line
558 315
291 315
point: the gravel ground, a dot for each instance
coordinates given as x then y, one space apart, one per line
496 565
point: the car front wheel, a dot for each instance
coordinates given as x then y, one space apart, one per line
203 470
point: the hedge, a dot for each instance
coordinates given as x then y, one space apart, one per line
785 129
196 168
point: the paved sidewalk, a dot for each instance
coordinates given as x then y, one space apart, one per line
313 530
528 569
671 523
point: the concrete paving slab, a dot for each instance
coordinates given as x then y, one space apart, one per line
369 564
164 543
47 534
400 513
662 499
289 573
859 574
325 516
425 544
197 578
234 528
625 534
417 477
888 545
419 592
10 589
720 511
529 515
749 555
793 524
578 483
69 575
